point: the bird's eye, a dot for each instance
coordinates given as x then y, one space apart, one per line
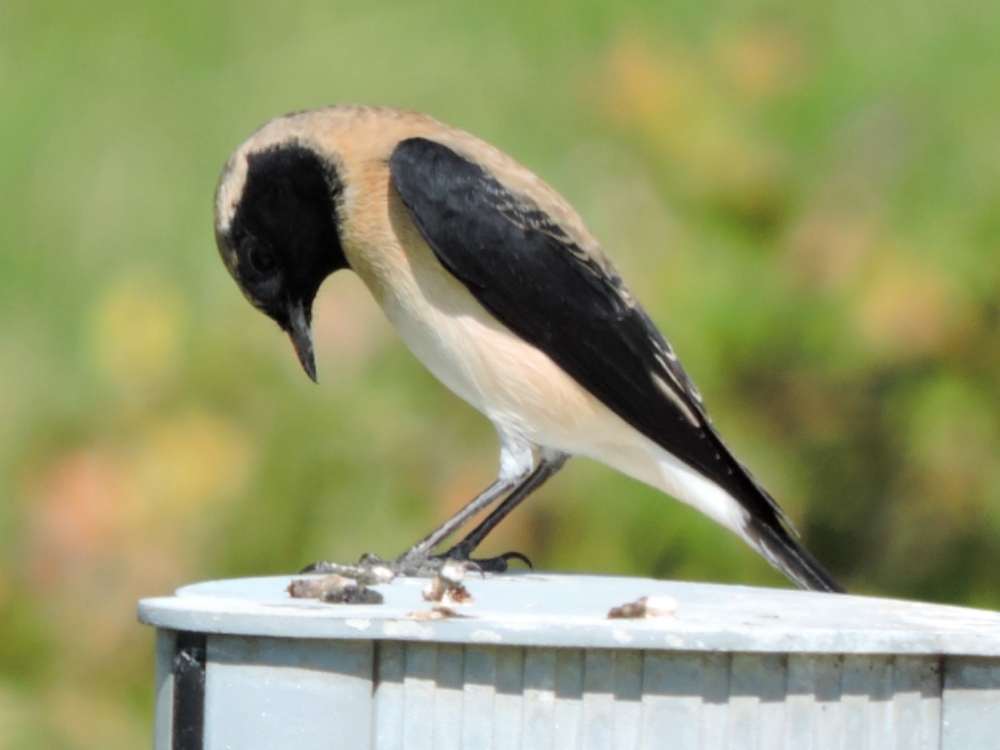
260 259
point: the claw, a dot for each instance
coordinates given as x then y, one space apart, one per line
496 564
517 556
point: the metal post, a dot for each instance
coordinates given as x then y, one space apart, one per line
534 661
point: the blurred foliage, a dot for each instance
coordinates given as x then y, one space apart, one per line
806 197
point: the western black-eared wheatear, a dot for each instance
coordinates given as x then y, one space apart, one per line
498 287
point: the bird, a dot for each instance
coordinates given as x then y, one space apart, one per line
498 287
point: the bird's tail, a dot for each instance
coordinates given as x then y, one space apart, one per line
780 549
737 501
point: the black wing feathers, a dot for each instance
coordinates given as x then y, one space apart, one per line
526 270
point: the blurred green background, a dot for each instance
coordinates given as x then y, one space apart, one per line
805 196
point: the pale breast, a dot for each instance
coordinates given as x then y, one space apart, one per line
514 384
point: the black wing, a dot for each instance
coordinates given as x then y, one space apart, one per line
526 270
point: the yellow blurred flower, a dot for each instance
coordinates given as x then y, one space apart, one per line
645 88
828 248
191 461
906 308
764 60
136 332
685 116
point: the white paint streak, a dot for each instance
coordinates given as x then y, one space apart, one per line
407 629
486 636
621 636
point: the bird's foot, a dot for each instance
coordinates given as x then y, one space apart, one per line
372 570
427 566
348 584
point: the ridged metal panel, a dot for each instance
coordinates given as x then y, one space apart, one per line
971 712
534 663
430 697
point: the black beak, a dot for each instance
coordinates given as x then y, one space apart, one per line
301 335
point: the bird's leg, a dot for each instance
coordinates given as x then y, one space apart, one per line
519 477
549 463
415 559
517 466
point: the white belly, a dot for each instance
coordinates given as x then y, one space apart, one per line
515 385
520 389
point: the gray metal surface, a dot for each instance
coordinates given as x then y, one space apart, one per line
164 689
972 710
276 693
535 663
563 610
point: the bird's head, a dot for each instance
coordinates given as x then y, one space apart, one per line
276 227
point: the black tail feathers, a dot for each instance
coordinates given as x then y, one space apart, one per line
781 550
